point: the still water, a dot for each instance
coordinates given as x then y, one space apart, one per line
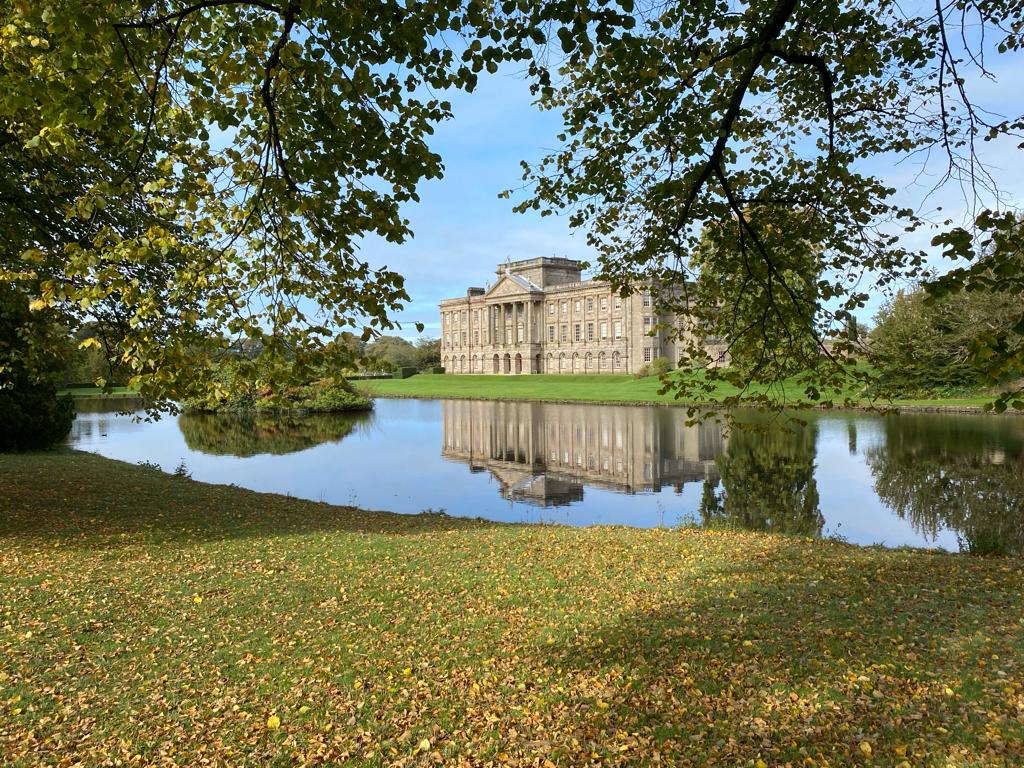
955 482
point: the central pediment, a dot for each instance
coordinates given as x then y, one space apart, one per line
512 286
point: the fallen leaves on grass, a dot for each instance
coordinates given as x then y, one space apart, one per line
390 641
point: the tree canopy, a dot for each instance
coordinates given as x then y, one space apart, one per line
704 112
194 176
204 171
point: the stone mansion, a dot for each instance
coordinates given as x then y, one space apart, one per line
540 317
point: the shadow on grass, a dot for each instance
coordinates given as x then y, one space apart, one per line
797 665
100 501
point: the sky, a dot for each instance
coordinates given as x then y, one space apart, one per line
462 230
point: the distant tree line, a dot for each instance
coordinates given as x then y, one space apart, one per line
960 333
389 353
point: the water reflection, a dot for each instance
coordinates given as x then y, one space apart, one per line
955 482
767 481
248 434
940 473
545 453
966 475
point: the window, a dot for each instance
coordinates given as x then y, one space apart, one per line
447 339
576 306
551 307
565 307
647 299
647 354
647 324
604 303
508 335
721 356
618 329
576 332
590 331
476 337
565 333
551 332
508 313
519 333
463 338
618 302
590 304
604 330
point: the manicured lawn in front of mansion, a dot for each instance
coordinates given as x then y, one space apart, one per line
617 388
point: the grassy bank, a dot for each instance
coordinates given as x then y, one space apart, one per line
149 619
93 392
592 388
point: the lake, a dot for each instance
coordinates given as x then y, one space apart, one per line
954 482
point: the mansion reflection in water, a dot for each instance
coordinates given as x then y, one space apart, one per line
544 453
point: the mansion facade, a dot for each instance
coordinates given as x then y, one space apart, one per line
540 317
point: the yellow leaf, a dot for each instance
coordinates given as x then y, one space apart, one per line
197 599
865 748
602 704
37 304
424 745
760 763
273 722
357 684
407 671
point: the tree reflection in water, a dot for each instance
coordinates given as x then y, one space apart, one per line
961 473
247 434
767 481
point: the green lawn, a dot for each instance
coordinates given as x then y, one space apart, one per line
153 620
97 392
593 388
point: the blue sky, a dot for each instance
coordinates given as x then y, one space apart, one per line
462 230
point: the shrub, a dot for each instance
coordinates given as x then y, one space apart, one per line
321 396
660 366
657 367
328 396
34 417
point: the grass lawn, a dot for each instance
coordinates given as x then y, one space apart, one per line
605 387
97 392
148 619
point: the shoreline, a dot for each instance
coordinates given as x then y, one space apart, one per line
880 410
